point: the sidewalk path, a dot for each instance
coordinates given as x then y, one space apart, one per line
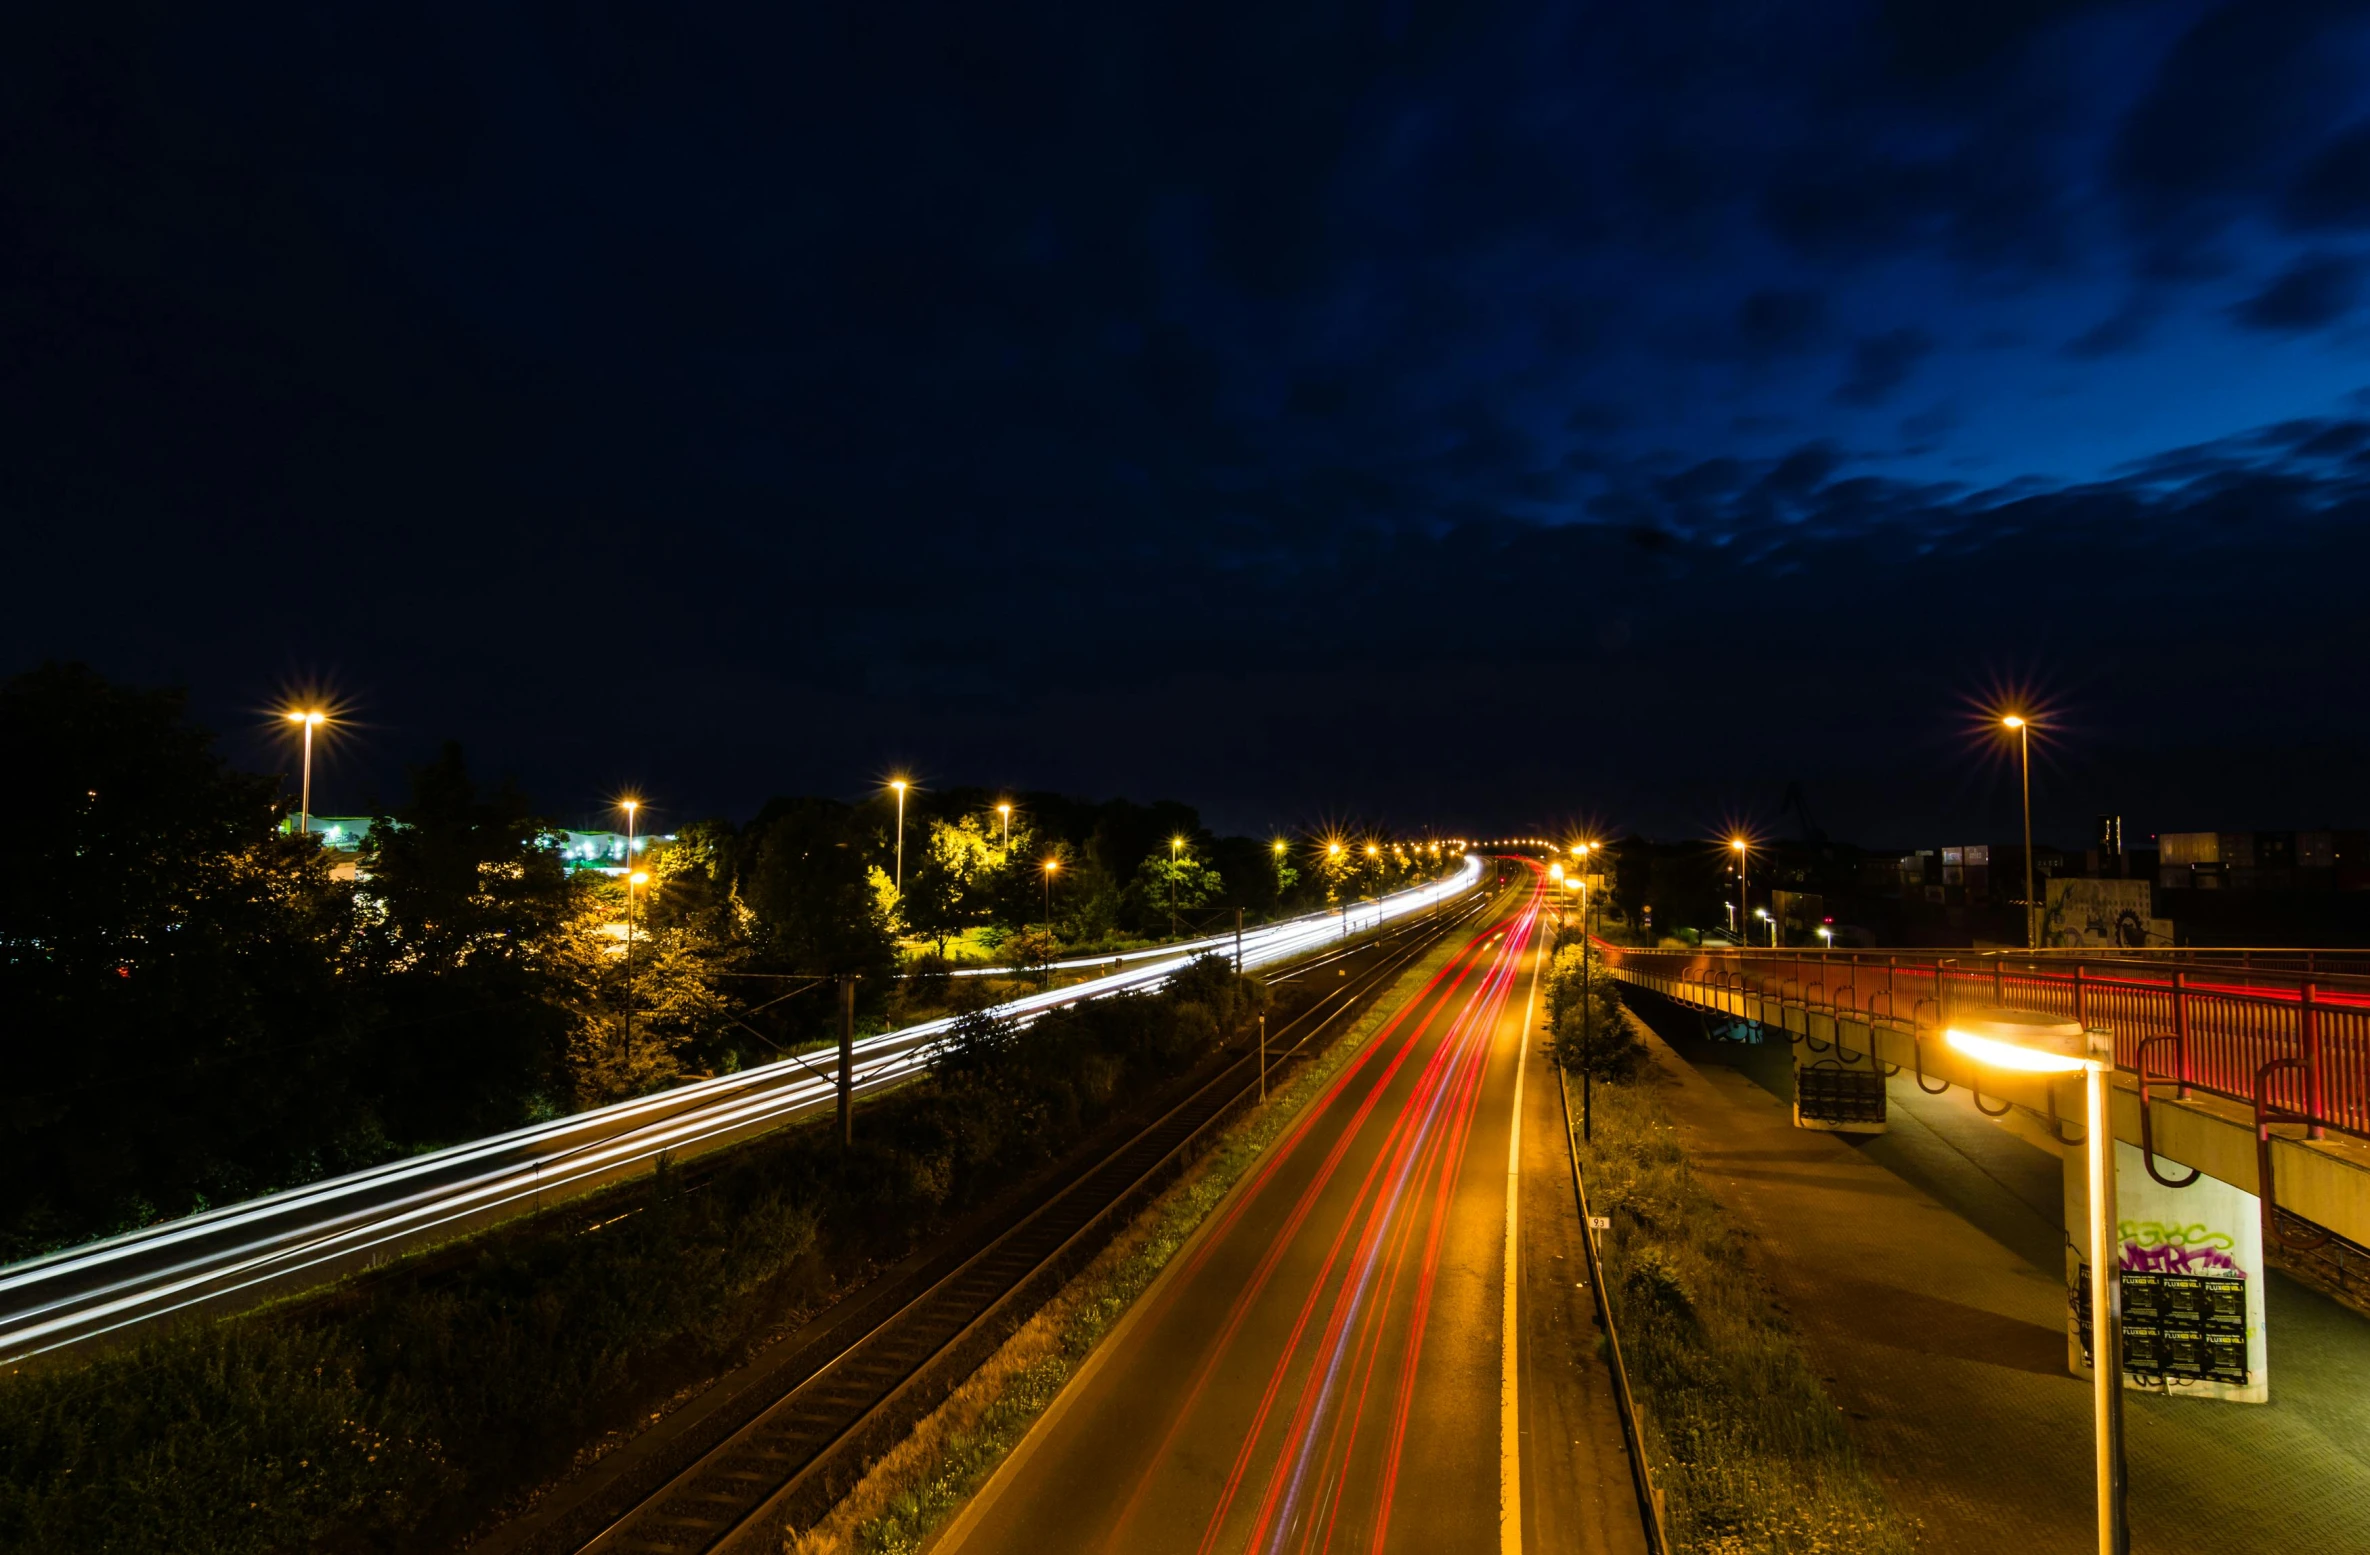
1923 1268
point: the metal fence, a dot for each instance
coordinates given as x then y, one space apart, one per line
2294 1046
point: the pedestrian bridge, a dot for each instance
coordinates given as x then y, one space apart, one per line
2254 1069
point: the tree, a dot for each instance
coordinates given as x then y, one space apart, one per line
805 885
674 994
175 1031
1584 1010
466 946
963 863
1183 883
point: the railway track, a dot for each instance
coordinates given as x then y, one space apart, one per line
899 1352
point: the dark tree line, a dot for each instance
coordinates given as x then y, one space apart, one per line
194 1011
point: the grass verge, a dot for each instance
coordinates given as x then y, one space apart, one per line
1750 1454
922 1482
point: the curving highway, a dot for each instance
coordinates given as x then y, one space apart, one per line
301 1237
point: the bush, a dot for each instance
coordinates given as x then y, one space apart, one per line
1584 1011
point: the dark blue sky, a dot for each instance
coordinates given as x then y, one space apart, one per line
1483 414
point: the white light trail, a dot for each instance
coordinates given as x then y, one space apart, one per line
141 1276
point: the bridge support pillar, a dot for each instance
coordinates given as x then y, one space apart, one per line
2192 1279
1838 1083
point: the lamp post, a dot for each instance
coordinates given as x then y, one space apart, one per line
1587 1011
1279 850
1005 811
1052 865
1176 854
2024 750
634 879
1744 922
311 720
899 784
2035 1043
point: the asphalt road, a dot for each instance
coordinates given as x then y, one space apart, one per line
1323 1367
286 1242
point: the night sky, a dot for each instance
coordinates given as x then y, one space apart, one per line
1488 416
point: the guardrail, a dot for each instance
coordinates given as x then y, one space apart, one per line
2294 1047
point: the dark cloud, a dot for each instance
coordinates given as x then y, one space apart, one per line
2313 293
1882 363
2334 190
2124 330
1778 322
1943 40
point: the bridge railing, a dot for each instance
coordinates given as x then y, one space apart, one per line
2280 1040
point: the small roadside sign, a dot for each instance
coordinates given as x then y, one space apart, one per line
1600 1222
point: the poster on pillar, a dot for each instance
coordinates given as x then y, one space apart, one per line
2192 1268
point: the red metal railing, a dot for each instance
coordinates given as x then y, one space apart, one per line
2296 1043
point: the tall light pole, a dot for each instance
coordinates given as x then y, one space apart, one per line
634 879
2024 751
1279 853
1052 865
1744 921
1005 811
1176 853
899 784
2035 1043
1587 1011
311 720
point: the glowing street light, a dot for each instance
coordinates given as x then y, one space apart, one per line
900 785
1005 810
1743 922
311 720
2023 730
1052 867
1176 854
1280 849
2031 1042
635 879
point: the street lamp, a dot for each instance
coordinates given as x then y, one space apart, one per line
1279 849
311 721
1587 1009
900 785
1744 930
634 880
2031 1042
1176 853
1762 913
2024 748
1052 865
1005 811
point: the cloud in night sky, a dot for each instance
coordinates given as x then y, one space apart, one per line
937 390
